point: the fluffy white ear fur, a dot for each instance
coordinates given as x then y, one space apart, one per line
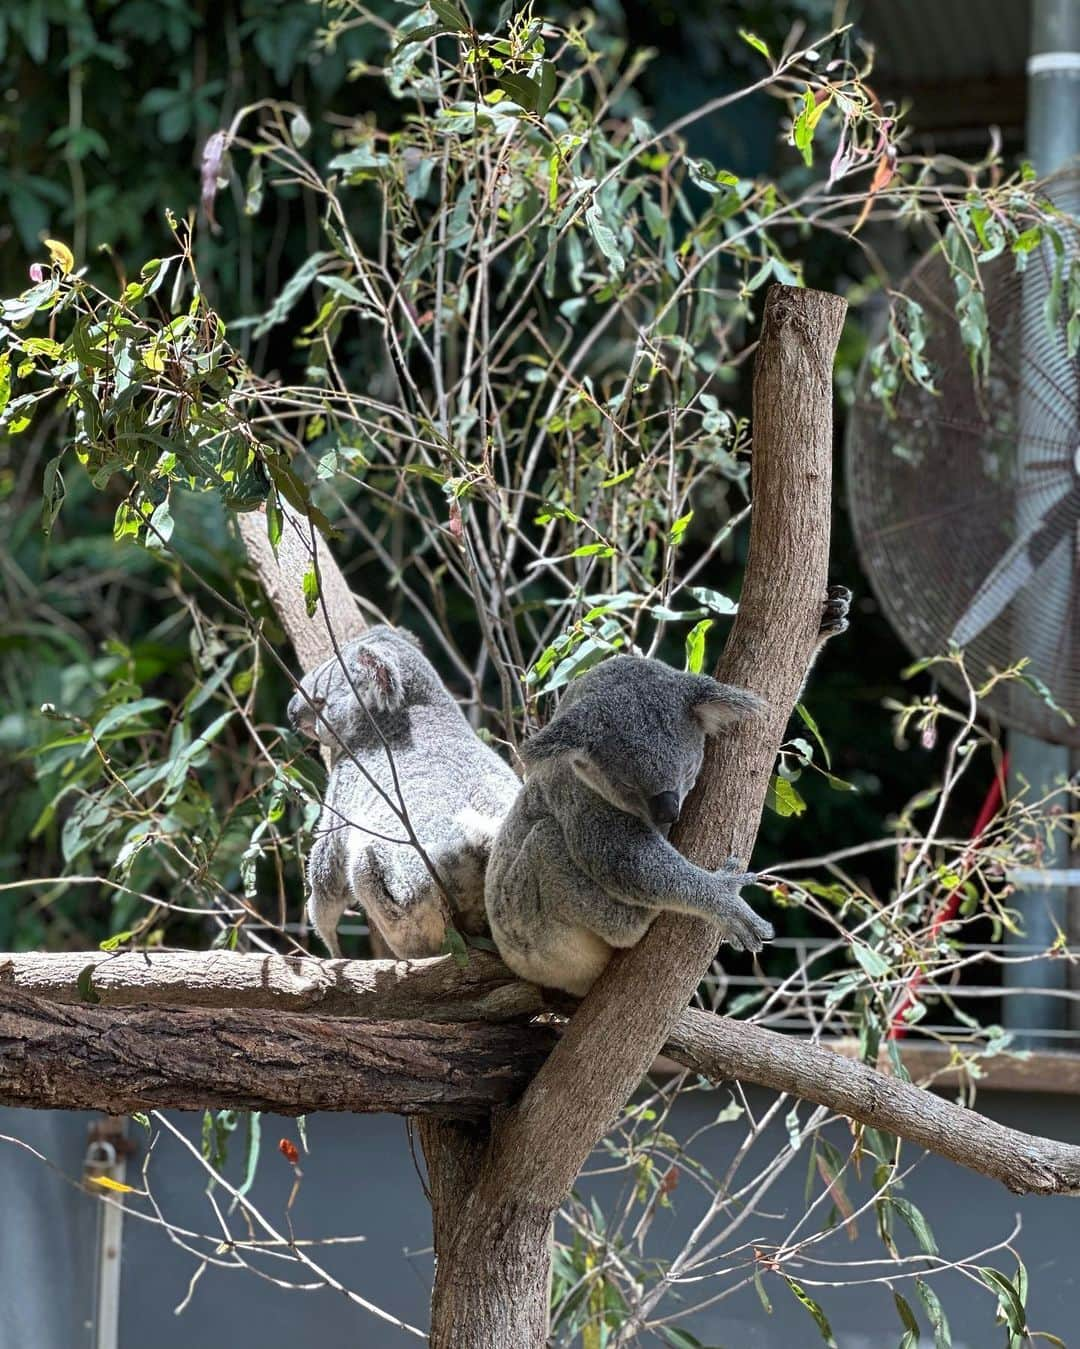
727 705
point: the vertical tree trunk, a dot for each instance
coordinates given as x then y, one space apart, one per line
493 1243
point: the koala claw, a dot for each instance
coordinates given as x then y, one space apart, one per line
740 926
834 613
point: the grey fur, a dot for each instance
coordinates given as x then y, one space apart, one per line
385 700
582 865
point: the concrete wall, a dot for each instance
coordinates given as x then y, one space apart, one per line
360 1179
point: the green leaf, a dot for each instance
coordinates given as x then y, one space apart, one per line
910 1323
299 129
695 646
812 726
254 1143
594 550
125 713
311 591
914 1219
782 797
115 942
450 16
712 599
52 493
605 238
1009 1299
548 84
758 44
143 1121
339 285
679 528
935 1313
454 945
820 1319
419 35
521 89
275 519
85 984
873 962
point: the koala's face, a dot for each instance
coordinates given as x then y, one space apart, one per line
634 731
651 779
342 699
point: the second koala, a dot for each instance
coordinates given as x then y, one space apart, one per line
396 735
582 865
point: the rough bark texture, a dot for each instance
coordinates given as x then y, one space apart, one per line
723 1049
538 1148
88 1058
282 579
383 990
54 1051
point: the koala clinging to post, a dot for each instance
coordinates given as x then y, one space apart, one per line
582 865
397 738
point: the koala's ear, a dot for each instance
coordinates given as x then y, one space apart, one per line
716 705
376 677
566 733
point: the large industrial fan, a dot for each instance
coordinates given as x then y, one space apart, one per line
966 501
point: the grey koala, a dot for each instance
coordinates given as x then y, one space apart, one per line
384 707
582 865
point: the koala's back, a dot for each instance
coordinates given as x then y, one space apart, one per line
455 791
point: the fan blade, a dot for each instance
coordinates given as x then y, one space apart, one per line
1005 580
1018 565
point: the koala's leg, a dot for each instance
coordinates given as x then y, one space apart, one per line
552 924
329 892
834 621
631 861
400 899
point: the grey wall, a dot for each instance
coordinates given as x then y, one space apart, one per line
360 1178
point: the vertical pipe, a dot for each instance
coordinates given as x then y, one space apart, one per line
1053 137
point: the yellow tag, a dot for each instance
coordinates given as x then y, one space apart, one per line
107 1183
60 254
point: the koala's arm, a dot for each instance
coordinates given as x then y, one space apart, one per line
629 860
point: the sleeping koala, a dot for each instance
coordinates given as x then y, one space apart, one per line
582 864
394 717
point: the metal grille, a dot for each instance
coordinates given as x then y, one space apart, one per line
964 489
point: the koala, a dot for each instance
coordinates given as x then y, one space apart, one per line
582 864
383 706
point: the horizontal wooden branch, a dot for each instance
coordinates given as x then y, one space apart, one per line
56 1055
383 990
190 1030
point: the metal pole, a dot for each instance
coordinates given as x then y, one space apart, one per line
1053 141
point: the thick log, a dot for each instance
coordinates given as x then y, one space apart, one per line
120 1060
438 989
412 1010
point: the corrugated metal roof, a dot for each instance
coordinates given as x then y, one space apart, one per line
923 42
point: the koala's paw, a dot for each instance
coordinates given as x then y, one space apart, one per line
740 926
834 613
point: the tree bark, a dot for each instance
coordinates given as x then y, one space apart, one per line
538 1148
411 1056
437 989
337 617
56 1056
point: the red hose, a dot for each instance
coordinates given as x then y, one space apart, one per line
898 1028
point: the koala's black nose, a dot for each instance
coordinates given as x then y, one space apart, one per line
664 808
293 711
